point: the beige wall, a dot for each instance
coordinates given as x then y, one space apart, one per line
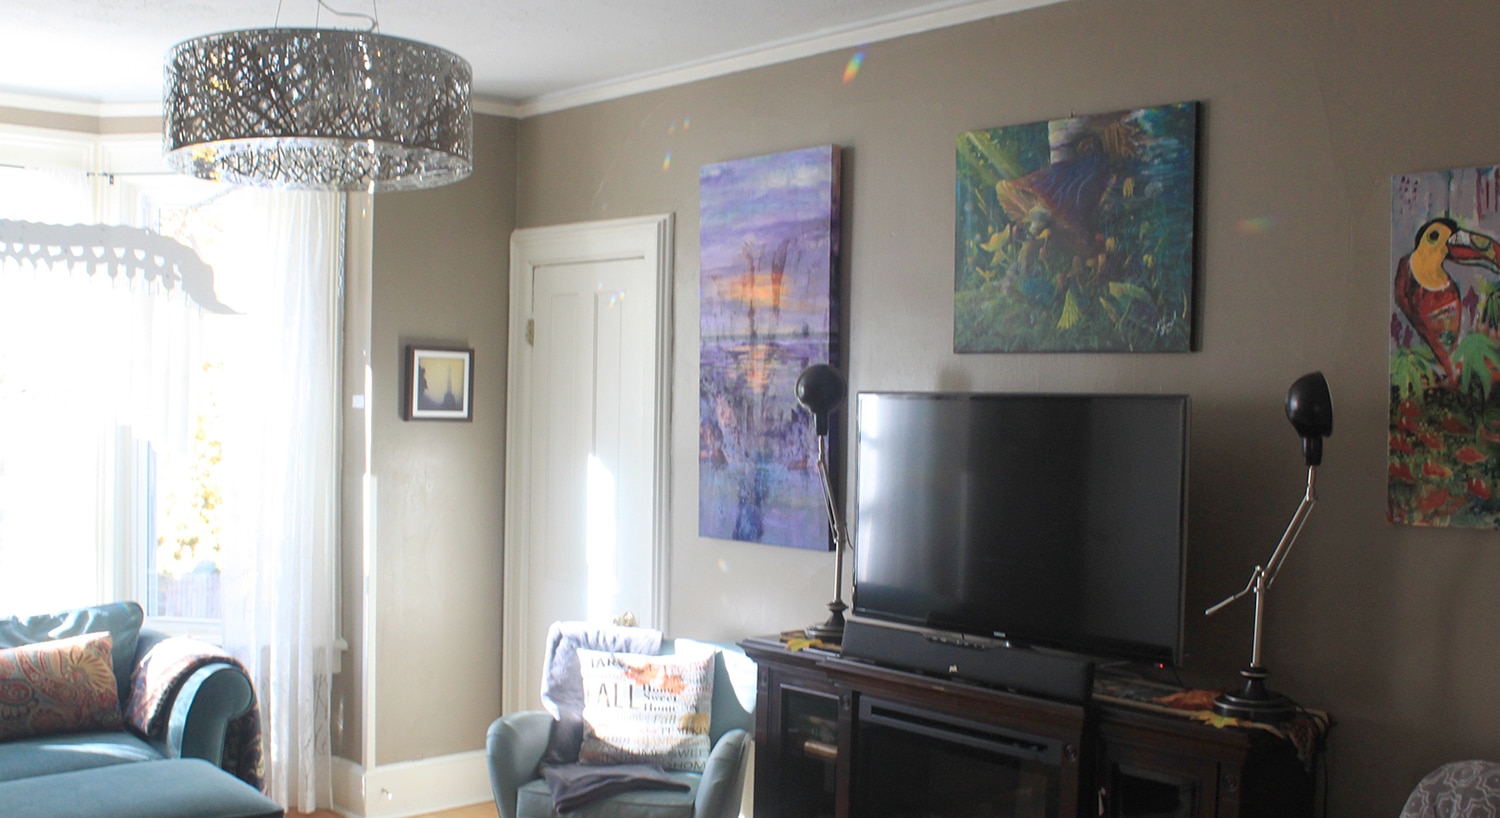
1308 110
441 272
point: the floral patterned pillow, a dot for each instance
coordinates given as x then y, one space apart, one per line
59 686
646 709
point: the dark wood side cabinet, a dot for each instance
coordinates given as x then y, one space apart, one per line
837 738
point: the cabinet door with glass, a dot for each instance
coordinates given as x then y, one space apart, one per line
797 743
1140 782
1170 767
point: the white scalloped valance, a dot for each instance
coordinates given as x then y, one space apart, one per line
114 251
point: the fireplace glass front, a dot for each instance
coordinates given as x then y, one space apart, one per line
913 763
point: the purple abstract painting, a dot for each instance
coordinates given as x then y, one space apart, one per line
768 256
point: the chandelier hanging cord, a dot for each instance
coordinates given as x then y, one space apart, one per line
373 17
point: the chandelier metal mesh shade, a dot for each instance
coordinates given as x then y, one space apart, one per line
318 109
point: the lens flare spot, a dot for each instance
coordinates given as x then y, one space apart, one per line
852 69
1255 225
666 163
687 123
723 567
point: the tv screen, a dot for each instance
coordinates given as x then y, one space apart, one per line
1047 520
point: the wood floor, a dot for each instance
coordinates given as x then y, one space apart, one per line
475 811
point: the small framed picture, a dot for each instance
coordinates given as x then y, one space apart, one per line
439 383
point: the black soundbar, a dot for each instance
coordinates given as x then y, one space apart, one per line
1063 678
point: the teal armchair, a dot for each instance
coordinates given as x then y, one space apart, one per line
517 743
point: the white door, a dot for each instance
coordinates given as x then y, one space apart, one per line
586 449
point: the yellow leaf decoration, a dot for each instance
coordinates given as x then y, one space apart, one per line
1071 314
797 644
1213 719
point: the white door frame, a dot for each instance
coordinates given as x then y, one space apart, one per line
648 238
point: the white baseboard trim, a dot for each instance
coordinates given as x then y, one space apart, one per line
411 787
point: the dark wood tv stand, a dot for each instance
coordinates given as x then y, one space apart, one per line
1111 758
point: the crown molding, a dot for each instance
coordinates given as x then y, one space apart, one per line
494 106
778 52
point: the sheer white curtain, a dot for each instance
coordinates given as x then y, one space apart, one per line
279 606
94 362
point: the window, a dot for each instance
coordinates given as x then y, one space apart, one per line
128 412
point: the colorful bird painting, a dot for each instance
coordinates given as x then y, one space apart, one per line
1059 203
1076 235
1426 293
1443 461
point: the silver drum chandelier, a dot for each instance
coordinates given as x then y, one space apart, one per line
318 109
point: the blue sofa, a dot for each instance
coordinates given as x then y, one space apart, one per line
177 765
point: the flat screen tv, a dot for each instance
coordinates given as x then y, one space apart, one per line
1054 521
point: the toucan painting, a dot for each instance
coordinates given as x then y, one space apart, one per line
1444 452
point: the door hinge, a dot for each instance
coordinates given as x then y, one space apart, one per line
531 332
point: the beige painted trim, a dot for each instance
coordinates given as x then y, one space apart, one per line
514 572
359 237
135 110
138 110
77 107
530 248
49 105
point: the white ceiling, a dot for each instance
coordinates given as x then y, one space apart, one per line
528 55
